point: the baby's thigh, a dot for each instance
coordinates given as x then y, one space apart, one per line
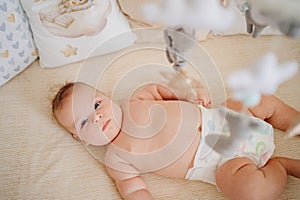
239 177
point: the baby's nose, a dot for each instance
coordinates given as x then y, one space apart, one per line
97 117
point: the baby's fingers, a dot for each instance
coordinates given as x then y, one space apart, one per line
199 98
204 100
203 97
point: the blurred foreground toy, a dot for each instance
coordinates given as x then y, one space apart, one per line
234 134
283 15
213 15
263 77
182 18
178 42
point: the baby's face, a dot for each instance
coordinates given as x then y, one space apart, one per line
90 115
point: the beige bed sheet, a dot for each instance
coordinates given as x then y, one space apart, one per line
39 160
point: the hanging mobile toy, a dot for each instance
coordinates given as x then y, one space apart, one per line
183 18
283 15
263 77
247 86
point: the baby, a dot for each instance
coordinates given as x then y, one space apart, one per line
162 130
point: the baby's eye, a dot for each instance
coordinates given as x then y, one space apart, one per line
83 123
97 104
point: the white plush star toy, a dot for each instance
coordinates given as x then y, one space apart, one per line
263 77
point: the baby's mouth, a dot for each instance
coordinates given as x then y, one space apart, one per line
105 125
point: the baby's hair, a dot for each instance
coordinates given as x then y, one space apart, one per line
61 96
58 99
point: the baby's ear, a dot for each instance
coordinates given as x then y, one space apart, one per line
75 136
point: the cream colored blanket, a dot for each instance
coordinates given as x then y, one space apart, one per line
39 160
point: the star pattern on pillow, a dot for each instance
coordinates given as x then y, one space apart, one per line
69 51
4 54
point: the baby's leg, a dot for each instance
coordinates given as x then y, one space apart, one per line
270 109
239 178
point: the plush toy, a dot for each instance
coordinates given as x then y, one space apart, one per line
212 15
263 77
236 132
182 18
178 42
278 14
247 86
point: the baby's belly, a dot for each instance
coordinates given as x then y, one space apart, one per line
171 149
179 167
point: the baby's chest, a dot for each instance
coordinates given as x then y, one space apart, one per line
152 125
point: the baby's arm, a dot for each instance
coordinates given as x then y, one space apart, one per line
275 112
162 92
127 178
130 186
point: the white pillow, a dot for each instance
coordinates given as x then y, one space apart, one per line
17 49
67 31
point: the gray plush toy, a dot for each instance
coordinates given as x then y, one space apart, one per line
178 42
240 129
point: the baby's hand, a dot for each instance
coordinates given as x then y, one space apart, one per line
198 96
187 88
